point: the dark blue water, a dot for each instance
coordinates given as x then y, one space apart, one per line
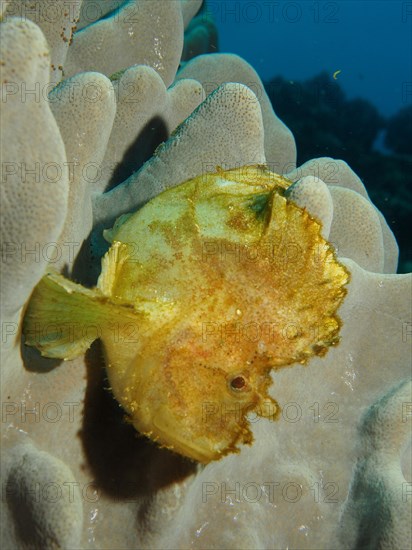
370 42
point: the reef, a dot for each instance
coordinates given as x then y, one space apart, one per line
100 113
399 132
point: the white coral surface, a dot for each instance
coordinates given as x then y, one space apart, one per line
334 470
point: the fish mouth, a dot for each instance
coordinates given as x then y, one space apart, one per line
167 433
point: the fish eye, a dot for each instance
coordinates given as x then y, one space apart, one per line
238 383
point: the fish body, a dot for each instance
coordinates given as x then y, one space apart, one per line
204 290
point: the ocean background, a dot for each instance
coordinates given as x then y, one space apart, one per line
369 42
339 75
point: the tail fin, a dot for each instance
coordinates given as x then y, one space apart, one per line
63 318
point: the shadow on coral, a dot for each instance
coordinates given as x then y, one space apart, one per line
87 265
141 150
124 465
33 361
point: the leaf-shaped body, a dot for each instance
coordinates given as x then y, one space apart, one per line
234 280
220 280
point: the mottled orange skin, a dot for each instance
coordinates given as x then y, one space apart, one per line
260 292
227 280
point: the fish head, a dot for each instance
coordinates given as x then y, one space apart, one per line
194 396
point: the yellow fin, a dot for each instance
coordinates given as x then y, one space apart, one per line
63 318
112 265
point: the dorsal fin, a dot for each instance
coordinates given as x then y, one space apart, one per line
112 265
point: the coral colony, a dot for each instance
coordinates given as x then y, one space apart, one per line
224 341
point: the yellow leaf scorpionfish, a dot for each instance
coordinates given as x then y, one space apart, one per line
204 290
